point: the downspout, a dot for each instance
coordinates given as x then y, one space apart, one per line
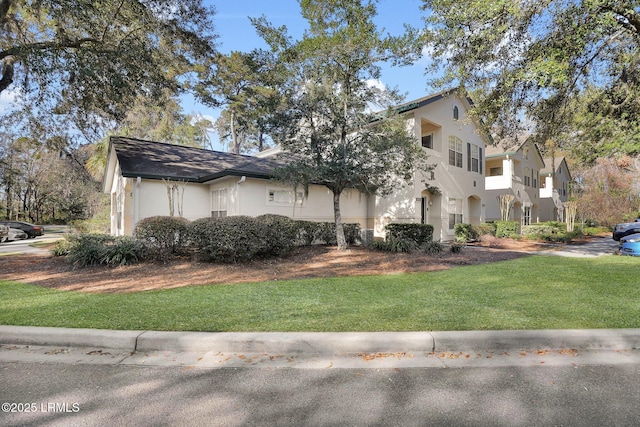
240 181
136 202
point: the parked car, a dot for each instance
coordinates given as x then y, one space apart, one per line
31 230
17 234
625 229
630 245
4 232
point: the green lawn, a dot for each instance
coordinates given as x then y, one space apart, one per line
538 292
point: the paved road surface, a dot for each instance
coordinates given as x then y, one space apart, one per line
93 395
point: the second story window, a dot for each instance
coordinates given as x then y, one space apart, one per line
474 160
527 177
427 141
455 151
456 114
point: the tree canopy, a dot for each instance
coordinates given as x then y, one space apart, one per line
334 134
82 60
526 63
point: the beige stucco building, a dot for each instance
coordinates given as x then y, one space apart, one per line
146 178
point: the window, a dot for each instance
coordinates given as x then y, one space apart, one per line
427 141
219 203
526 218
527 177
474 161
455 151
455 212
535 178
495 171
284 197
456 114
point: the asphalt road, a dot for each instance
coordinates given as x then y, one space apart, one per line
92 395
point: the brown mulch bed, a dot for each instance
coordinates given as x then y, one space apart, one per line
319 261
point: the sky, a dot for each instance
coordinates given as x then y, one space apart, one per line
237 34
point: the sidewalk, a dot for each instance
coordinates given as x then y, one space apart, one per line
319 350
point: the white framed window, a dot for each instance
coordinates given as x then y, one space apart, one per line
474 158
527 177
455 151
526 215
455 212
219 203
456 113
427 141
279 196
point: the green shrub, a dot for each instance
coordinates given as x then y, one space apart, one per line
465 233
418 233
306 232
507 228
456 248
123 250
352 233
487 228
395 245
163 235
432 248
325 232
280 234
100 249
229 239
61 248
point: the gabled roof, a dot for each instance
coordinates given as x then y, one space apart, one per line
548 161
156 160
517 146
426 100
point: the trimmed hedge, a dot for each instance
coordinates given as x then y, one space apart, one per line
229 239
507 228
163 235
418 233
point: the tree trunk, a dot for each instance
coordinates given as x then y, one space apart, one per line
234 135
342 242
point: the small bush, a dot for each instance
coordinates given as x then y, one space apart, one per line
418 233
124 250
465 233
395 245
61 248
84 250
507 228
487 228
163 235
432 248
456 248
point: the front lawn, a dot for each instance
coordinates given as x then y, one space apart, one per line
537 292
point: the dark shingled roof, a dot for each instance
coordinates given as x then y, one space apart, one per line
156 160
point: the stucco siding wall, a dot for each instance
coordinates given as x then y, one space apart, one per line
257 197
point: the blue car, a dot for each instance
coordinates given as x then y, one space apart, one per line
630 245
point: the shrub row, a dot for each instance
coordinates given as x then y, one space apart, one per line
230 239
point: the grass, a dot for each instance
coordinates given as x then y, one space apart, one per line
536 292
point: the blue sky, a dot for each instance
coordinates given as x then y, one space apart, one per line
236 33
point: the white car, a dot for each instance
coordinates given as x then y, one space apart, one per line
4 232
16 234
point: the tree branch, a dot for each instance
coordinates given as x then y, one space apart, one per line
7 72
4 10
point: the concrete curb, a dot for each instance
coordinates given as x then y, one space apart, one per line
323 342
